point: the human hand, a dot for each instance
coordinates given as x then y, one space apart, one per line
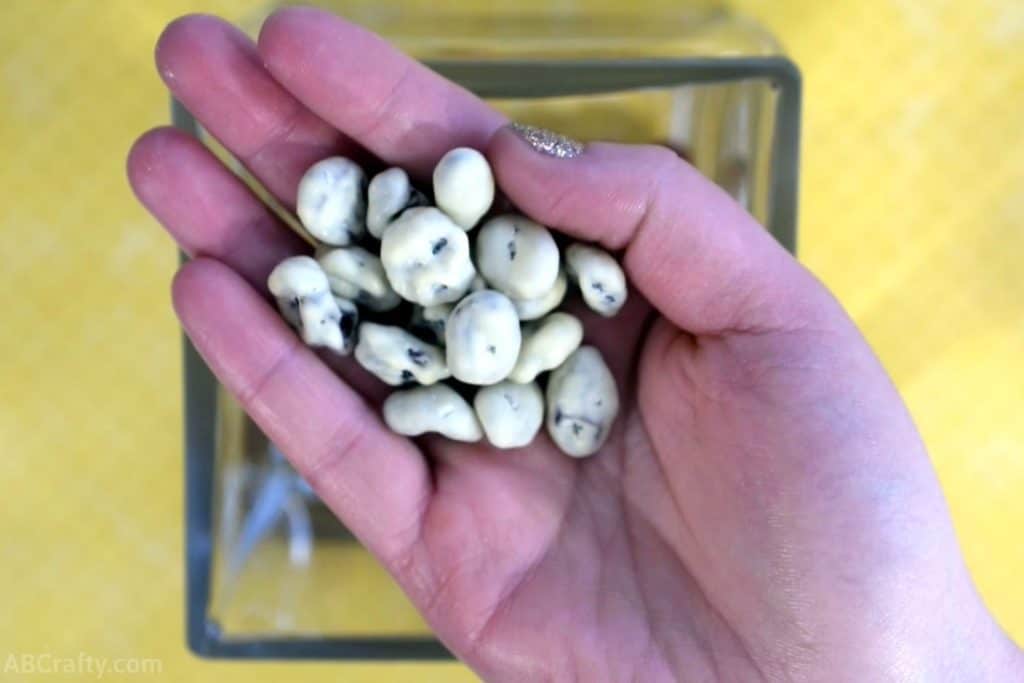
764 507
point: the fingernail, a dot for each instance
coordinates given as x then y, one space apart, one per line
547 141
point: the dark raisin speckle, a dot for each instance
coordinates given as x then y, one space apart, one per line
492 349
579 423
511 250
438 246
407 376
347 324
609 299
417 356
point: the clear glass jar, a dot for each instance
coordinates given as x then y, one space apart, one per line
271 573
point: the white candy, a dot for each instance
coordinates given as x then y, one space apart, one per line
517 256
397 357
582 403
432 319
546 346
531 309
303 296
483 338
389 194
510 413
602 282
478 284
464 186
426 257
435 408
354 273
330 201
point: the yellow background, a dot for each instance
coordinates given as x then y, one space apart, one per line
912 211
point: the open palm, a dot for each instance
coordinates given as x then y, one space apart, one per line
764 507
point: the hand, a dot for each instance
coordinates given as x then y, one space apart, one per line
764 507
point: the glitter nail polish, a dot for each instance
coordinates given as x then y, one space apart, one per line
548 142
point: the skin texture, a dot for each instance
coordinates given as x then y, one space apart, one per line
764 508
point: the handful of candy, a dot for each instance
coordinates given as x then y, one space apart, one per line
482 320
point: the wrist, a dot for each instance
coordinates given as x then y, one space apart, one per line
984 653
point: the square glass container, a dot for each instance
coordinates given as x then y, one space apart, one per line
270 572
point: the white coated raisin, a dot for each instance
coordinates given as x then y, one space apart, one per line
426 257
531 309
397 357
303 296
517 256
510 413
599 276
389 194
356 274
546 345
582 403
464 186
437 408
330 201
482 338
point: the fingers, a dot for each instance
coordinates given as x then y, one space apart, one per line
390 103
205 207
690 249
375 481
210 212
215 71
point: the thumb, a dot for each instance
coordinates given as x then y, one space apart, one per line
696 255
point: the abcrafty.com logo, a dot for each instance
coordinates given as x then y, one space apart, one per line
81 665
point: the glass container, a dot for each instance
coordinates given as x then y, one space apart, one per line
270 572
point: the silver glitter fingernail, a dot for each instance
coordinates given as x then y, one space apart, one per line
548 142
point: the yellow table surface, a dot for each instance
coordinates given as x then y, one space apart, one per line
912 211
